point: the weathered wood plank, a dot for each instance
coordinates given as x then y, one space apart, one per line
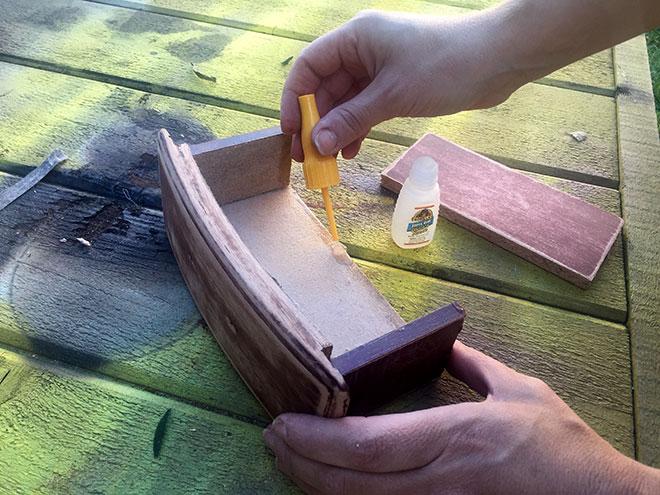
153 52
287 18
120 307
110 136
67 431
639 152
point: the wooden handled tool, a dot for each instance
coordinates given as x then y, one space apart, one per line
320 171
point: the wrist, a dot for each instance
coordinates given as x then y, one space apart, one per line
499 64
626 475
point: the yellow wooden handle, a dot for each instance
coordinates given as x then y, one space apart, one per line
320 171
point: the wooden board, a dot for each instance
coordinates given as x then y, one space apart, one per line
68 431
105 115
312 269
639 153
152 53
389 365
121 308
554 230
285 18
250 316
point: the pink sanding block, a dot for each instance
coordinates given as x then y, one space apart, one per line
556 231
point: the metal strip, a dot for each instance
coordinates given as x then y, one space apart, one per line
12 193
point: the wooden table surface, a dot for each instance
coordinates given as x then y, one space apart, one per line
97 343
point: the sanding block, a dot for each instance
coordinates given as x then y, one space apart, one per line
554 230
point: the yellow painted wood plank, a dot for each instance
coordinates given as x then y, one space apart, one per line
153 52
108 132
67 431
639 151
308 20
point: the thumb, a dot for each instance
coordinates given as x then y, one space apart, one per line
482 373
350 121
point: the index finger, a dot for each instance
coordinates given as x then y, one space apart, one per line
318 60
376 444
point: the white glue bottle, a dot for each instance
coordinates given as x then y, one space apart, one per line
416 211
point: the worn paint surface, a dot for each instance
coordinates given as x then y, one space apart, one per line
65 431
126 47
119 309
286 18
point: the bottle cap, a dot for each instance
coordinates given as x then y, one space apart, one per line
424 172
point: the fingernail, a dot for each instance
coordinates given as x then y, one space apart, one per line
268 437
325 141
278 427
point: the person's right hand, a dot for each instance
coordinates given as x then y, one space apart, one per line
378 66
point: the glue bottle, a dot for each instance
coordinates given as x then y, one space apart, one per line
416 211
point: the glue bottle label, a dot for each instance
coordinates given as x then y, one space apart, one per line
419 225
416 212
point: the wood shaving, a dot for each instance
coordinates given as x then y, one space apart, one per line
579 136
201 75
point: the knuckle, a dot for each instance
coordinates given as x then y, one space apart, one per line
353 119
538 388
368 15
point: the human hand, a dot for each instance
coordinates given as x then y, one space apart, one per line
522 439
378 66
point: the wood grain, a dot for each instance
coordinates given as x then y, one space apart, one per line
69 431
277 235
250 316
105 115
152 53
286 18
554 230
639 153
403 359
251 174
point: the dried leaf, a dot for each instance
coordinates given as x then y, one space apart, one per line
286 60
201 75
159 434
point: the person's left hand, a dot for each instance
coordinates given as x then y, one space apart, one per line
522 439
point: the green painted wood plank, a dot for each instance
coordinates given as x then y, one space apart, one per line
103 116
287 18
67 431
119 307
154 52
554 345
640 155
